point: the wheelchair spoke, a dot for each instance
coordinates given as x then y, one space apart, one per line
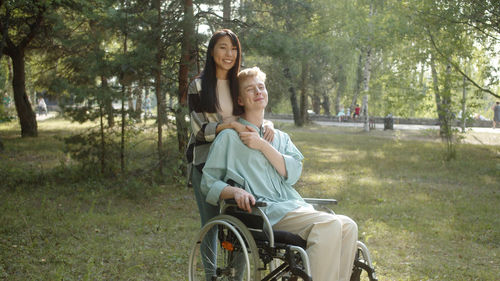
221 252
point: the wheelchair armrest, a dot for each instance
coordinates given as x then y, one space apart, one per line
257 204
319 201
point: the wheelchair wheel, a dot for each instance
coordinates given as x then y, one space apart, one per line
232 256
363 269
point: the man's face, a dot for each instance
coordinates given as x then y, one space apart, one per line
253 93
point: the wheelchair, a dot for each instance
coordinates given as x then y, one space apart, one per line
247 248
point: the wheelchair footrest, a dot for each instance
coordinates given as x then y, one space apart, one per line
359 267
289 238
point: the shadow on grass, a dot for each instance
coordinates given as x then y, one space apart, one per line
423 218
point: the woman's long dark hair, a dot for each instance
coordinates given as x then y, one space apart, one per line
208 99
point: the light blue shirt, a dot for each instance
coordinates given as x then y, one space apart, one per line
230 159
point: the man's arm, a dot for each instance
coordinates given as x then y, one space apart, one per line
287 160
293 160
215 171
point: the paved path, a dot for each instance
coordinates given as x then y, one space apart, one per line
396 126
488 136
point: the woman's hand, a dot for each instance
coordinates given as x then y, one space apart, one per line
268 129
251 138
238 127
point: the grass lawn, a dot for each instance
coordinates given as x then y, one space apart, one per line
422 218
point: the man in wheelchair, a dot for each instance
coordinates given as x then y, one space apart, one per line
260 171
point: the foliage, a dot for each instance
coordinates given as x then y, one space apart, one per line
87 149
5 114
319 55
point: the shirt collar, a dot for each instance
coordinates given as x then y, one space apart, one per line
245 122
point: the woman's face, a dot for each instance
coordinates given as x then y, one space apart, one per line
224 54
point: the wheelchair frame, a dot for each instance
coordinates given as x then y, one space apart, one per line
248 247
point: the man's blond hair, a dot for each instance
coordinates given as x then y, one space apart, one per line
251 72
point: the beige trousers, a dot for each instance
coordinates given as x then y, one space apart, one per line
331 241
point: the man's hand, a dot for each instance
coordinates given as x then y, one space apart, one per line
254 141
252 138
244 199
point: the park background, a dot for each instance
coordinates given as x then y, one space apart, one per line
99 192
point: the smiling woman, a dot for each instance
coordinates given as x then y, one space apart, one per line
212 104
225 56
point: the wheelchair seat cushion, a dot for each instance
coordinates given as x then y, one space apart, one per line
285 237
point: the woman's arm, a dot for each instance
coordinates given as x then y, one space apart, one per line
237 126
201 127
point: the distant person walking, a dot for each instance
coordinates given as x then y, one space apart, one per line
42 106
357 110
147 107
6 100
496 114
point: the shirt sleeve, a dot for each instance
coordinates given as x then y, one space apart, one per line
203 130
293 160
215 169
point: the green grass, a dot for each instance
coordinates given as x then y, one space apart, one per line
423 218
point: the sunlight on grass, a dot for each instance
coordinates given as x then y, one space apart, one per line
421 217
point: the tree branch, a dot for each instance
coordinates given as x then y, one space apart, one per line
457 68
203 14
33 28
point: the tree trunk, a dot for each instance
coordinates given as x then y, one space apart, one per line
464 98
446 102
138 102
293 97
187 57
316 102
226 12
359 80
160 101
108 102
367 70
160 116
366 88
130 104
123 97
103 142
303 95
365 113
326 104
122 136
337 100
340 90
437 95
27 117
